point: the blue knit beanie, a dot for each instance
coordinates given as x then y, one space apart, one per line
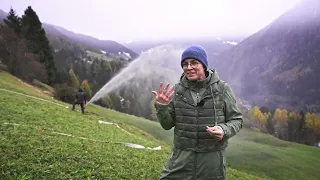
195 52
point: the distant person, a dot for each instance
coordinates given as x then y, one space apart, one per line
203 111
80 99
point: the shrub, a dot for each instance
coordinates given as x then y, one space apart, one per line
65 93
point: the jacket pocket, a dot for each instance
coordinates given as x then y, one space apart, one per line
171 159
220 173
223 164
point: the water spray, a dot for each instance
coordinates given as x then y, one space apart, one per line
162 61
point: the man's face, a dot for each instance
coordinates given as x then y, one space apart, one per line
193 69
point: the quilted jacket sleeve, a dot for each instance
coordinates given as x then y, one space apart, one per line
234 120
165 115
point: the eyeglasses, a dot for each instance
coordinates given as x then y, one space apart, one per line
193 64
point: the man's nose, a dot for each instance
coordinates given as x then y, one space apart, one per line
189 66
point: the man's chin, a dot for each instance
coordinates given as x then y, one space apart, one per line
191 78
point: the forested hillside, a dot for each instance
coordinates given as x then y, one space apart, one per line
277 66
276 71
30 53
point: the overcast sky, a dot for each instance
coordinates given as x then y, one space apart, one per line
123 20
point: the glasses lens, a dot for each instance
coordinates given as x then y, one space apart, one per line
192 64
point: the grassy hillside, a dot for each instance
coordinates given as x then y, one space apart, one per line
9 82
261 154
150 127
252 152
44 140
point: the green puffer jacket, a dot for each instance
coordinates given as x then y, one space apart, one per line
195 105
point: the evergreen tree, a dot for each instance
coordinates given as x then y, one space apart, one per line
47 59
107 102
38 43
301 127
264 109
270 126
95 70
74 82
13 21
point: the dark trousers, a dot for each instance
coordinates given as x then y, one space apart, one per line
81 105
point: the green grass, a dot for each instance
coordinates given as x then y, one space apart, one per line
264 155
12 83
42 86
33 149
148 126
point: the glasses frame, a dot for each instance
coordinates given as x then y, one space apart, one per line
193 64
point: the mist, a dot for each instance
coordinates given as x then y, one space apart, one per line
124 20
160 64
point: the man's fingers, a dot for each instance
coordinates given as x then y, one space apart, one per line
213 131
170 95
166 88
155 93
209 130
214 128
216 132
170 90
164 97
160 88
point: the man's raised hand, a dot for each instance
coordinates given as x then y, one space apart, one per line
164 96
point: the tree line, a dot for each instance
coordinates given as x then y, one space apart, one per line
27 53
295 126
25 49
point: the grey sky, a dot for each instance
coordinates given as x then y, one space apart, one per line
146 19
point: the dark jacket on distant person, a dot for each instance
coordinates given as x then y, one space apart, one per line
81 97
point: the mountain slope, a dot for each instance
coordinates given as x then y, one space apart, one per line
213 45
277 66
111 47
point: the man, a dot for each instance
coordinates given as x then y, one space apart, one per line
80 99
203 111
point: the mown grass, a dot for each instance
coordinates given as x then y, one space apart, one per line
40 140
42 86
33 150
147 126
9 82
